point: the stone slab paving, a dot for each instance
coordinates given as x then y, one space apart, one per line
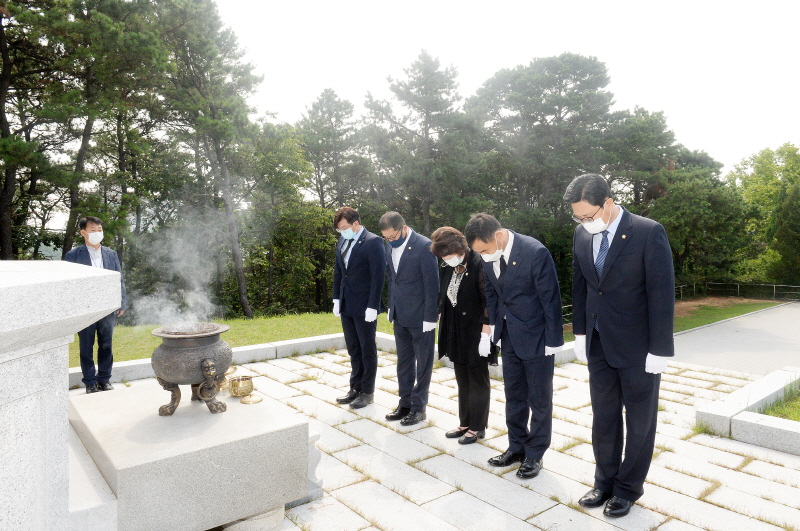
380 476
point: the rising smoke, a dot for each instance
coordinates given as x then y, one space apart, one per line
182 259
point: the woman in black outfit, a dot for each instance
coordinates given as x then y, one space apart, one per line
464 330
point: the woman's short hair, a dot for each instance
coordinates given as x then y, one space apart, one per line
446 241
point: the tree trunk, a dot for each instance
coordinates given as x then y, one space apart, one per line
74 188
233 230
10 174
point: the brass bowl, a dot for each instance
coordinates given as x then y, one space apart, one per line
240 385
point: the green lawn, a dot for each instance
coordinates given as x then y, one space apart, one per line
137 342
711 314
788 408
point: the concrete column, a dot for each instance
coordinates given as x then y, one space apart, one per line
42 304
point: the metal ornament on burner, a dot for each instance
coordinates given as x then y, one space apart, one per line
195 356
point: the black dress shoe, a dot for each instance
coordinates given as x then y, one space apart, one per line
594 498
351 395
363 400
105 386
92 388
398 413
470 439
506 459
456 433
529 468
617 507
415 417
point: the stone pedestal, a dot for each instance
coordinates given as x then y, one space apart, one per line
194 470
42 304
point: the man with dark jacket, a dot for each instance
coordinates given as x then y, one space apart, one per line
413 309
95 255
524 304
357 288
623 302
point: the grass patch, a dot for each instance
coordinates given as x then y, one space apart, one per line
788 407
711 314
136 342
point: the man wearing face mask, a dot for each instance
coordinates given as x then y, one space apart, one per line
357 289
95 255
623 302
524 306
413 309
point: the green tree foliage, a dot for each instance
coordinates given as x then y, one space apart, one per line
704 219
408 146
786 241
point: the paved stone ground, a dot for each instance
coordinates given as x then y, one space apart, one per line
383 476
758 342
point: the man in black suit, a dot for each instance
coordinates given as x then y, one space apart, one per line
357 288
524 303
95 255
623 302
413 309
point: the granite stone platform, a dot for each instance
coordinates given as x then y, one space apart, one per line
193 470
379 475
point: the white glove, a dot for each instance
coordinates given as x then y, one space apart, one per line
336 308
655 364
370 315
427 326
389 315
549 351
580 348
483 346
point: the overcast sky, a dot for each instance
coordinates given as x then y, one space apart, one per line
724 73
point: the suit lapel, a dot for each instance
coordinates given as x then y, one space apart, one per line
514 260
83 256
356 247
583 248
621 238
410 244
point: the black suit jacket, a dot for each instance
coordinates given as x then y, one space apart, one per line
359 285
529 299
414 287
634 299
80 255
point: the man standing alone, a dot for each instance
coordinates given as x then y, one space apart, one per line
413 309
524 303
95 255
357 288
623 301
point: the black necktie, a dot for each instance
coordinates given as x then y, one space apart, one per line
503 265
346 247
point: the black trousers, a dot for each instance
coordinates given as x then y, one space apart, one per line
104 330
473 395
414 365
612 389
529 396
359 336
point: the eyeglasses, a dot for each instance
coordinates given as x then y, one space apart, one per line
395 237
586 219
342 230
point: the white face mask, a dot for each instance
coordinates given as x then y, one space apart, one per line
494 257
454 261
596 226
95 237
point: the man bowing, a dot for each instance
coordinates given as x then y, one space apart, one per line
623 301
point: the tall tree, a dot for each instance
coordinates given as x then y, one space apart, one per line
786 241
209 87
407 145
